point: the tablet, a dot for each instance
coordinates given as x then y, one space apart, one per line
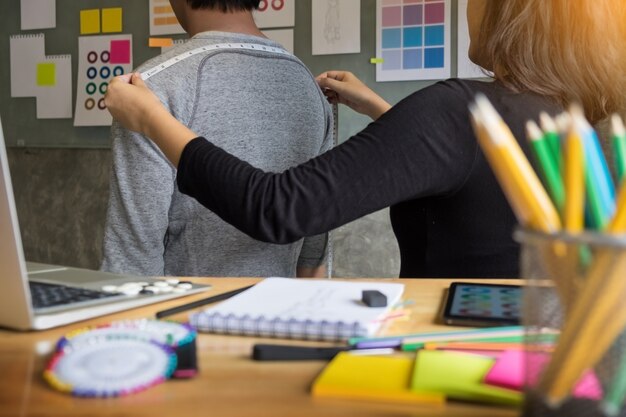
470 304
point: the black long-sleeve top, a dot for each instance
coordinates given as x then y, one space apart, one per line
421 158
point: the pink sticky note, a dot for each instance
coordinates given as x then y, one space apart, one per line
510 370
120 52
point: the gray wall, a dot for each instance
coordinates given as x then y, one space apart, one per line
61 176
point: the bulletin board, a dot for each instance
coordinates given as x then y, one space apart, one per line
22 128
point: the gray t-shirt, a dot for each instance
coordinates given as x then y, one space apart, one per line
266 109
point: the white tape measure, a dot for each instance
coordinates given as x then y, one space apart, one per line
212 48
247 47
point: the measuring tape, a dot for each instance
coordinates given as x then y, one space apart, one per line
247 47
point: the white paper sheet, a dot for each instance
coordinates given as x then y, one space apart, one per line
282 36
336 26
465 67
96 67
275 14
26 52
162 19
413 39
38 14
55 102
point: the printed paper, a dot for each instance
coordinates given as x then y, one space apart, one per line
54 97
38 14
413 39
100 58
275 14
26 52
282 36
465 67
163 21
336 26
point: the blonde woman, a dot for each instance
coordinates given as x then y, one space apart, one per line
420 156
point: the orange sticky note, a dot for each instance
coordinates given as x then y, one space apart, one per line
89 21
112 20
160 42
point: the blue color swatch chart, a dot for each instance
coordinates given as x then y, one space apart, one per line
413 39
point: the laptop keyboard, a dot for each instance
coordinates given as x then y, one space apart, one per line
50 295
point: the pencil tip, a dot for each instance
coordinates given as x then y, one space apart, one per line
533 131
617 125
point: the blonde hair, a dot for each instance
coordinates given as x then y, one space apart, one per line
569 50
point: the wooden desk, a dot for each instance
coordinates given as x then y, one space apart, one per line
229 384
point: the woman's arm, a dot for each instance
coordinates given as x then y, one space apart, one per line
137 108
345 88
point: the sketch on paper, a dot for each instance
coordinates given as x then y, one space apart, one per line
332 26
336 27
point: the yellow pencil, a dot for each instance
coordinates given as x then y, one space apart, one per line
512 169
574 212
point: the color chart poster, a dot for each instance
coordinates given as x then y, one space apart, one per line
100 58
413 39
163 21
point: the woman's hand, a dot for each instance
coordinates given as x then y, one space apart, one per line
137 108
345 88
132 103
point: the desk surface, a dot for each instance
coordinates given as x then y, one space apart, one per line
229 383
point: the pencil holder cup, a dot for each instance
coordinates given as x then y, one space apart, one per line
574 313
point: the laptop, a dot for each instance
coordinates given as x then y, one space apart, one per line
37 296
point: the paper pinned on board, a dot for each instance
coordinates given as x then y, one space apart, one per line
275 14
26 51
54 97
336 27
38 14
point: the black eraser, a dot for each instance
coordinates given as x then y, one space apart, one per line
374 298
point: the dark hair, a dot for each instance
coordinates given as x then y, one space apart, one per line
225 5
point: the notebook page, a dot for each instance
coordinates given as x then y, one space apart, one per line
314 300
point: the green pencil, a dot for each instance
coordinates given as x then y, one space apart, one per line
619 146
551 134
548 165
614 397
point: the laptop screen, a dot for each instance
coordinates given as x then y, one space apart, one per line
15 309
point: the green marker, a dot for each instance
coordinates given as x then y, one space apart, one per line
619 146
614 398
548 165
551 134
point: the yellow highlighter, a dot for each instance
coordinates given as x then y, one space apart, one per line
519 181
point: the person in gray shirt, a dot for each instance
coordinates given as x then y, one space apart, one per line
258 106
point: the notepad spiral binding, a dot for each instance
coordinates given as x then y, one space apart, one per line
277 327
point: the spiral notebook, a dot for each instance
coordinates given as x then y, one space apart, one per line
300 309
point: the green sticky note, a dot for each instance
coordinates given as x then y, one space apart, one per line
89 21
459 376
46 74
112 20
376 60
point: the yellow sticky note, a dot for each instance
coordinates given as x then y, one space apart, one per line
46 74
459 376
112 20
89 21
376 60
372 378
